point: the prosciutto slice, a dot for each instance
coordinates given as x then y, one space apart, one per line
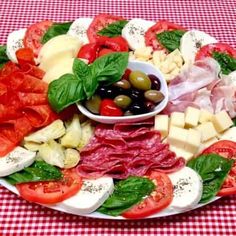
200 86
126 149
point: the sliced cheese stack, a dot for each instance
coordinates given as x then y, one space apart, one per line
56 57
190 132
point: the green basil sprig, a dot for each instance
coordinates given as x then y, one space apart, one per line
38 171
55 30
170 39
213 169
3 56
82 84
127 193
114 29
227 63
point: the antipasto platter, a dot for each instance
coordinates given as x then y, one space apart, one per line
117 119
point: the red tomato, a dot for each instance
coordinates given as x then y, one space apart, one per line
99 22
109 108
104 51
89 52
157 201
117 44
226 149
160 26
25 56
207 50
34 34
52 191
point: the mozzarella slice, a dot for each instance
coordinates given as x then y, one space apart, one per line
192 41
15 42
91 196
79 29
229 134
134 32
187 189
15 161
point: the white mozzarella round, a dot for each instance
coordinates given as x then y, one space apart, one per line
15 42
15 161
79 29
232 76
92 195
192 41
134 32
187 189
229 134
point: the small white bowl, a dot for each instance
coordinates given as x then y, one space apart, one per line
148 69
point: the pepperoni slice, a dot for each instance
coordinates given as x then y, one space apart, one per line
30 99
32 70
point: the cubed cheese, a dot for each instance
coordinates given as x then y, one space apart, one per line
222 121
191 116
205 116
177 136
177 119
162 124
193 141
229 134
207 130
181 152
206 144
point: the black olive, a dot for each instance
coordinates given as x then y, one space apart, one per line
150 105
107 92
136 95
138 108
156 83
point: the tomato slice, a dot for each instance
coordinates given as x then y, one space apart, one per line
99 22
226 149
160 26
52 191
34 34
157 201
207 50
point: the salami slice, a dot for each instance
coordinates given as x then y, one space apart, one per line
31 99
6 146
32 70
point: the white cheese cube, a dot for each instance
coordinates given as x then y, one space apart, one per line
193 141
177 136
207 130
207 144
229 134
144 52
205 116
191 116
177 119
181 152
222 121
162 124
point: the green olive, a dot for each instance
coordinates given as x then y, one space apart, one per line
93 104
128 113
125 84
140 80
154 96
122 101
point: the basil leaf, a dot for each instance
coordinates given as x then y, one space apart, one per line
234 121
83 72
114 29
38 171
126 194
66 90
55 30
213 169
170 39
227 63
109 68
3 56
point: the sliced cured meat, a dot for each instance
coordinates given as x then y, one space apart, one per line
126 149
32 70
39 116
8 68
6 146
201 87
30 99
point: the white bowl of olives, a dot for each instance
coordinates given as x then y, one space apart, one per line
140 94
